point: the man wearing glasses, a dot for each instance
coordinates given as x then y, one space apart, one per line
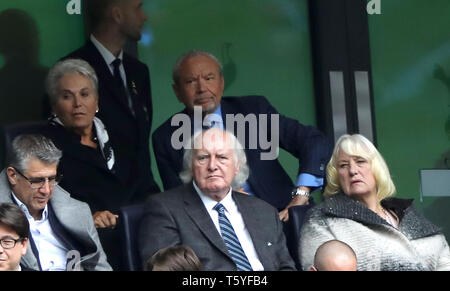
14 231
62 232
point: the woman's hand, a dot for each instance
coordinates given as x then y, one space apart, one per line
105 219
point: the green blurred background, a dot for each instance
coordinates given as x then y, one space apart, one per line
265 48
410 49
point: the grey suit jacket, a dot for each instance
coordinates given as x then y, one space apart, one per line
178 216
76 217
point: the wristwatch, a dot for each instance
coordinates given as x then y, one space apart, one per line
299 192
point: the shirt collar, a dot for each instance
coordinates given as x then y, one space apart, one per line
210 203
106 54
25 209
218 111
217 114
215 117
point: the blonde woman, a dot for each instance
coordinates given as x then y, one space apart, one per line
386 233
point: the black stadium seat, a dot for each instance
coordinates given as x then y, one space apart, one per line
10 131
297 215
129 222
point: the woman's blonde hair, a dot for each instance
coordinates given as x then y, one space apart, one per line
358 145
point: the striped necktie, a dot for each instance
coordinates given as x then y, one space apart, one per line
231 241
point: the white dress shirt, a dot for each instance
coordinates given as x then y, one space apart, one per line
236 220
52 254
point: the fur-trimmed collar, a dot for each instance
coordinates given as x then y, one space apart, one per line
412 224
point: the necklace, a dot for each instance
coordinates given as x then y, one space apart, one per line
389 218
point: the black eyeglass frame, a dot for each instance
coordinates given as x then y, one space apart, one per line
41 181
20 239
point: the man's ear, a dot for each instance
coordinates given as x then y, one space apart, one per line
12 175
237 168
116 14
25 245
222 83
176 90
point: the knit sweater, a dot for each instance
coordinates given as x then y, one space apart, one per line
417 244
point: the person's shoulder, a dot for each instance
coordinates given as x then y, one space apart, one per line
162 133
317 211
63 197
246 104
131 60
56 132
166 127
82 52
254 201
248 99
163 128
167 196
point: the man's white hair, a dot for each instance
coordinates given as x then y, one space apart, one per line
239 154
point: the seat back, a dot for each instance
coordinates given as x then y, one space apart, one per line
11 131
297 215
129 222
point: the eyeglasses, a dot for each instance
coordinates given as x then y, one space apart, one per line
9 243
37 183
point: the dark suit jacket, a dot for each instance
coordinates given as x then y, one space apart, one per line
268 179
88 179
132 133
179 216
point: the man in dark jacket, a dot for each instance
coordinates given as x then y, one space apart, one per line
198 82
125 101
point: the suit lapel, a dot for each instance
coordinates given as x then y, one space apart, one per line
74 149
106 79
255 227
31 258
98 62
64 209
197 212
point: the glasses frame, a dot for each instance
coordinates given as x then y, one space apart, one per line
20 239
56 180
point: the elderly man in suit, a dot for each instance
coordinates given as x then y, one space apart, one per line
226 229
62 231
198 81
124 89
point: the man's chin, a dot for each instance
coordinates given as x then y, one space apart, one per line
216 190
210 108
135 38
4 266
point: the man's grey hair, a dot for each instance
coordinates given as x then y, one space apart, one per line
192 54
239 154
28 146
64 67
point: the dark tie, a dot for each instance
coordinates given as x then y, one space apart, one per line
119 82
208 126
231 241
212 122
